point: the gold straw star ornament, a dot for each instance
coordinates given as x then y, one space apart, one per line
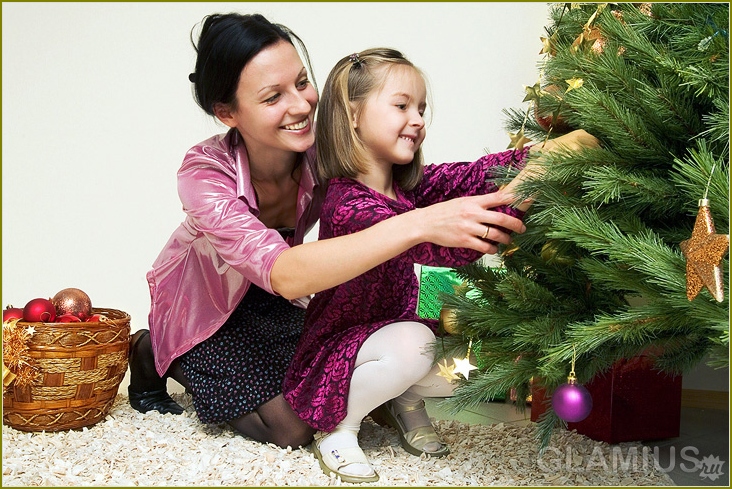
447 371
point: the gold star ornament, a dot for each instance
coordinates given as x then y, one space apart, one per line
518 140
704 252
534 92
574 83
548 45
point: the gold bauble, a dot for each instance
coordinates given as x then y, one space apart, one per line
448 320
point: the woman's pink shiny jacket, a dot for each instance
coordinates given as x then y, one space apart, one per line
207 265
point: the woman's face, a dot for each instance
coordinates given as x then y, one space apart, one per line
275 103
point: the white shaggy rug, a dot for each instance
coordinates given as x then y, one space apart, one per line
131 449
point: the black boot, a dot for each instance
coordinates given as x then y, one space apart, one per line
147 390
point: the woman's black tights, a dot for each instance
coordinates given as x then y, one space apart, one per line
272 422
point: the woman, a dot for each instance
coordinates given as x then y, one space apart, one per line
226 311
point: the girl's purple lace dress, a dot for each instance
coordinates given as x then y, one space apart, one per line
339 319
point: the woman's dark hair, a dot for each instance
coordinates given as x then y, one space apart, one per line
226 44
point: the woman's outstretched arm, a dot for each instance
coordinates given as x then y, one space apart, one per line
311 267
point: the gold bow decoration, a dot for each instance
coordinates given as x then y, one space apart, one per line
18 366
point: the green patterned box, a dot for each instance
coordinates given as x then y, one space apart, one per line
432 281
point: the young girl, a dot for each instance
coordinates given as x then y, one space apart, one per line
363 344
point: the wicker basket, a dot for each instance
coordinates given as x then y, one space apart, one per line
81 366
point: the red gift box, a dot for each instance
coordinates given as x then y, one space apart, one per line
630 402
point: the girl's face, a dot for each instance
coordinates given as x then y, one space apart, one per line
275 103
390 122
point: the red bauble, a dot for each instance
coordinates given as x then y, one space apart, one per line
96 318
73 301
39 310
12 313
572 402
67 318
544 117
544 121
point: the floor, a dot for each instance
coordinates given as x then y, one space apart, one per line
698 457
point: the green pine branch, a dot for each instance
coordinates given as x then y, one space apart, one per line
599 275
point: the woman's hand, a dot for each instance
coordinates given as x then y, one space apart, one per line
467 222
311 267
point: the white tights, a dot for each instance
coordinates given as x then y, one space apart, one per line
394 362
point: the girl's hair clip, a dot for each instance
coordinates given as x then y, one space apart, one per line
192 78
356 60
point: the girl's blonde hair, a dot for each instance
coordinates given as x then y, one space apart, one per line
341 152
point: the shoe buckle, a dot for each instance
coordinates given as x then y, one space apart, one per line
338 457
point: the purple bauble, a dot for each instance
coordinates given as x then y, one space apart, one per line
572 402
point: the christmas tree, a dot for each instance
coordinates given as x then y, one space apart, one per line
611 265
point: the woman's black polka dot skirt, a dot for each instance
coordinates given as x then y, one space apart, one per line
243 364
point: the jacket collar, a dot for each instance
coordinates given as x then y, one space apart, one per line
309 197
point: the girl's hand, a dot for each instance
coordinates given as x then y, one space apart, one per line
572 141
463 222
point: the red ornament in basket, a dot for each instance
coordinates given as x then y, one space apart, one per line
39 310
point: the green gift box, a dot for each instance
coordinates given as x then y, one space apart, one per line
432 281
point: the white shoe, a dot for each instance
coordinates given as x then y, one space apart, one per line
332 462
